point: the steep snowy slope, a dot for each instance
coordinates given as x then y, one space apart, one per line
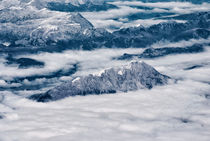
29 26
171 31
137 75
22 24
44 3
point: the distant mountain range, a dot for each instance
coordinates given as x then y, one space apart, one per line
192 1
44 30
34 26
86 6
28 29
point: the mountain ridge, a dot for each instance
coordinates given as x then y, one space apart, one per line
136 75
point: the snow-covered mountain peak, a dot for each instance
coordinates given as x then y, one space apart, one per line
37 27
136 75
77 17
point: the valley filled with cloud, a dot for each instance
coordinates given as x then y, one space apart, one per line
104 70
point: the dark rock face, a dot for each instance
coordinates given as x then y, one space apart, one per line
137 75
207 96
159 52
192 1
190 17
171 31
24 63
193 67
75 32
86 7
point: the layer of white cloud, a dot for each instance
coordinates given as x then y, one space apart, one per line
104 19
175 111
177 7
93 62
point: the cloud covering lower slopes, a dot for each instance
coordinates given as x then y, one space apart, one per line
105 18
175 112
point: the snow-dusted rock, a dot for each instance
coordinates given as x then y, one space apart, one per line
79 5
170 31
160 52
27 26
136 75
22 24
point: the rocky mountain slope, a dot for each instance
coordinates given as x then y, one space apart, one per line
28 26
136 75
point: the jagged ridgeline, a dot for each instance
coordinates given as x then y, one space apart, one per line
160 52
136 75
80 6
28 29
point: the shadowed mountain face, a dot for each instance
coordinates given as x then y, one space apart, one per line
172 31
159 52
27 28
86 7
153 1
1 117
191 16
50 32
24 63
137 75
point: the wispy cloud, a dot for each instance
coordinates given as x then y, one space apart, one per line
105 19
177 7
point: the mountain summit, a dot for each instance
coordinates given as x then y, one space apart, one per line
24 25
136 75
